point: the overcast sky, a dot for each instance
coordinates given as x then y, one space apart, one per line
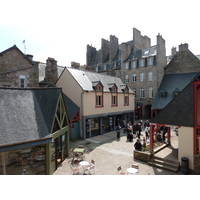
62 29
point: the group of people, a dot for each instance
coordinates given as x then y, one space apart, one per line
136 129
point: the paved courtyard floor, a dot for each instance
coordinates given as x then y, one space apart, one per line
109 153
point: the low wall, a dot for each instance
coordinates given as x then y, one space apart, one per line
141 155
197 163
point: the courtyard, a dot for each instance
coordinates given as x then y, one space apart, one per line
109 153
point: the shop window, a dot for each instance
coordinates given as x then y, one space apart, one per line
24 161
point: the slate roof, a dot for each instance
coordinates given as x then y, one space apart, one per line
26 114
71 107
86 79
170 83
141 53
42 67
180 111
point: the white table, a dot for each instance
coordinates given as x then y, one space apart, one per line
84 164
132 171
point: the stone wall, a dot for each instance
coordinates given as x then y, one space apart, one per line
197 163
13 64
141 155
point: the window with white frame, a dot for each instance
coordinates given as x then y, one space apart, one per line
105 67
134 91
134 63
141 92
126 78
22 81
127 65
150 92
150 76
134 77
150 61
142 77
142 62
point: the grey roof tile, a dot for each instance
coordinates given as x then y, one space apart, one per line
26 114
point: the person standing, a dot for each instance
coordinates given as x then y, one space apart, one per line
138 128
118 131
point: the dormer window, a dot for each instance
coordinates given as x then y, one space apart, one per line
176 92
114 95
98 87
163 94
146 52
126 96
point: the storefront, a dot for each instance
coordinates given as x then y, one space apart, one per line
27 160
104 123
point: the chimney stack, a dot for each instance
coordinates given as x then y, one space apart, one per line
29 56
183 47
173 51
51 70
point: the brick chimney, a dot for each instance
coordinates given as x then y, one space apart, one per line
173 50
183 47
51 70
29 56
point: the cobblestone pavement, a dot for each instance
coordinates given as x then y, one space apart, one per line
109 153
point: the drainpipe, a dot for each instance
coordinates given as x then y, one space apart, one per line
82 127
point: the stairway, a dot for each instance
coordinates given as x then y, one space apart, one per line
163 163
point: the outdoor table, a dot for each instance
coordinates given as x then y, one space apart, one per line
78 151
84 164
132 171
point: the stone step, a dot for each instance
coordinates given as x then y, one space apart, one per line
166 160
163 163
166 167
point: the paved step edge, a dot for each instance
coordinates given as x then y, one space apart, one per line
167 160
173 169
163 162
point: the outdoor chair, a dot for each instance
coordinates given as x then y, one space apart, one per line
90 168
119 169
75 169
136 166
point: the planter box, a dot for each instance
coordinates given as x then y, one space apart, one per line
142 155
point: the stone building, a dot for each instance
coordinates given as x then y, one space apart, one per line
182 68
136 62
18 69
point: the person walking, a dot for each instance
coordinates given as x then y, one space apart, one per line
118 127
